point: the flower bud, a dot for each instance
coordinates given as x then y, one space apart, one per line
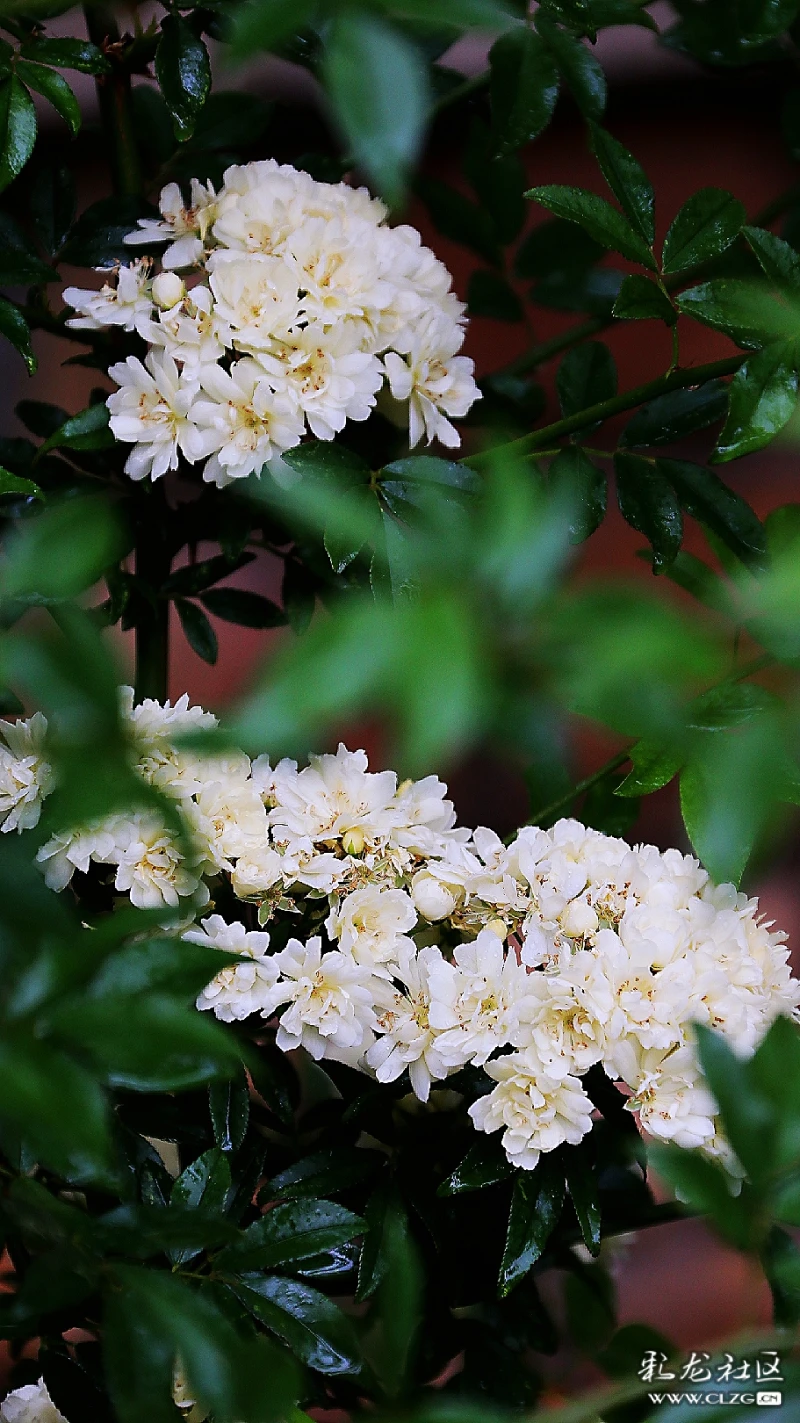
168 290
578 919
353 841
432 899
498 927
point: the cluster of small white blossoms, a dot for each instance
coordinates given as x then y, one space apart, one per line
32 1404
428 947
299 309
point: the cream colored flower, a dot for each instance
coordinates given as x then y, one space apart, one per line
244 988
30 1404
127 302
187 227
534 1111
151 411
243 420
26 776
435 381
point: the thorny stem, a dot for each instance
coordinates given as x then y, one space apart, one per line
541 439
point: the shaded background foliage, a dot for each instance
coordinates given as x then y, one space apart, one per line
442 596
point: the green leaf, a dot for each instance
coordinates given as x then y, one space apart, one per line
66 54
484 1165
229 1105
779 260
63 551
290 1232
98 237
647 502
763 396
236 1377
721 839
238 605
731 704
602 221
87 431
703 495
19 265
696 578
747 1112
377 84
535 1210
587 375
204 1185
16 330
523 87
198 631
709 221
585 489
139 1361
490 294
603 811
578 66
430 472
14 484
55 89
153 1044
183 71
639 299
653 767
580 1177
746 312
324 1173
259 26
314 1327
57 1107
628 182
671 417
459 219
384 1208
498 183
17 129
704 1187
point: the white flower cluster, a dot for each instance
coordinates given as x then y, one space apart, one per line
423 947
300 306
30 1404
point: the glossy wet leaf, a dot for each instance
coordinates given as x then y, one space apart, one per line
603 222
535 1209
524 88
627 180
648 503
762 400
706 225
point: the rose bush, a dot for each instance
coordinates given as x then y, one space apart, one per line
305 1087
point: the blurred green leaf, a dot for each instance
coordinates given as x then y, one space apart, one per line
587 375
57 1106
747 313
63 551
780 261
490 294
239 605
639 299
681 412
586 490
199 633
378 87
66 54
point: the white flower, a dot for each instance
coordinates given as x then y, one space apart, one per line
372 923
332 381
408 1038
257 869
331 999
26 776
71 850
535 1112
335 265
245 422
150 866
432 899
673 1102
151 411
477 1001
127 304
229 820
168 289
434 380
333 797
243 988
188 228
151 721
255 297
30 1404
190 331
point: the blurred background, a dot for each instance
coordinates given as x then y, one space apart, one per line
688 127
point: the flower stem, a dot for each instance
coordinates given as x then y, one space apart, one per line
542 439
114 97
586 784
152 562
